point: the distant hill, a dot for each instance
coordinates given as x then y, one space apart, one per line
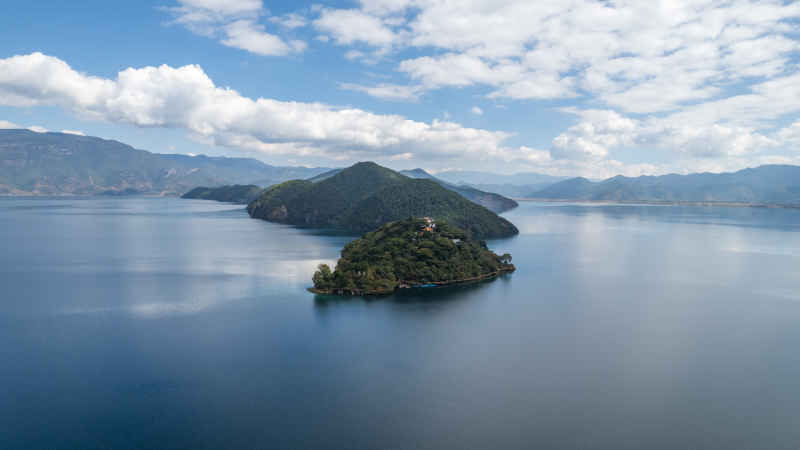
517 185
771 184
494 202
364 196
236 193
65 164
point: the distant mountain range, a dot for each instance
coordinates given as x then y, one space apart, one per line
518 185
771 184
494 202
64 164
364 196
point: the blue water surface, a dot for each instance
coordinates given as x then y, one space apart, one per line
183 324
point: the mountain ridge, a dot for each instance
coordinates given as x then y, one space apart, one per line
51 163
767 184
494 202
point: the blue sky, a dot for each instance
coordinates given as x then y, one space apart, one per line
573 87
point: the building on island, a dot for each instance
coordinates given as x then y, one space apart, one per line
430 224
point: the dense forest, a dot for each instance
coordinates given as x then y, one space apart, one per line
237 193
408 253
364 196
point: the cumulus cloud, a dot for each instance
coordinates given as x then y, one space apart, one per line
6 125
235 24
637 57
185 97
600 131
249 35
476 110
348 26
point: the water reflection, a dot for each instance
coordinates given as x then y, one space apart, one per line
163 323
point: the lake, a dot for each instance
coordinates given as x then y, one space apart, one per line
168 323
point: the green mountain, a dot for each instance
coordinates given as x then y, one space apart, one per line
324 175
493 202
65 164
364 196
408 253
237 193
771 184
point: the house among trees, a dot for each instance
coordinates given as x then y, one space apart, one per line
430 224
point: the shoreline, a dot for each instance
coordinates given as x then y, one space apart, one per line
665 203
409 285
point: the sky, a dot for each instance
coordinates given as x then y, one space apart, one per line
590 88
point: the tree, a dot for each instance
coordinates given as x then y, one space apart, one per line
323 278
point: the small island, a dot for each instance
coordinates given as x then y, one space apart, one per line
416 252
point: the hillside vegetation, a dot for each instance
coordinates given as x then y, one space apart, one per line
491 201
363 197
236 193
408 253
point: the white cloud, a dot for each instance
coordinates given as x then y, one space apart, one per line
600 131
75 132
476 110
638 57
386 91
455 69
38 129
348 26
290 21
790 135
235 24
185 97
250 36
6 125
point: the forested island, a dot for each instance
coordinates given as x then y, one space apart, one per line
365 196
415 252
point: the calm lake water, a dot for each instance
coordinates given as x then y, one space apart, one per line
167 323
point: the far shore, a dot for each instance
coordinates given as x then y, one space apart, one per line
663 203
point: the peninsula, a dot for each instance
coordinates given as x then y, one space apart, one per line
237 193
415 252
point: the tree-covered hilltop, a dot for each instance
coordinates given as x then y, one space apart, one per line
364 196
237 193
408 253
